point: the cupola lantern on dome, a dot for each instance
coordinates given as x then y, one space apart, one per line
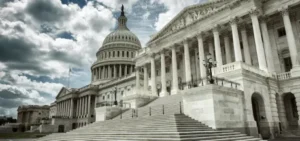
115 56
122 19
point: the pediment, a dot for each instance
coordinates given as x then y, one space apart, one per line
189 15
63 91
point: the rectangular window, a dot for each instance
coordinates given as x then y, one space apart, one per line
287 64
281 32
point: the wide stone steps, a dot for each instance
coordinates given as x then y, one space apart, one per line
167 105
156 128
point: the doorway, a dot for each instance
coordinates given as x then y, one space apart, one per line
291 111
61 128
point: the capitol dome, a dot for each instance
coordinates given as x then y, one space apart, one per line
115 56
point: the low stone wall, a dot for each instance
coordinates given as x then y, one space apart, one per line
216 106
47 128
106 113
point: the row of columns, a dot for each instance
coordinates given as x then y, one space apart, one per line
263 49
83 107
112 71
65 108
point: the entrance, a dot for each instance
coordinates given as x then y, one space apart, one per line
291 110
61 128
74 126
259 115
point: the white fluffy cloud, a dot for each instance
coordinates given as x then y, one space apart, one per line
43 39
174 7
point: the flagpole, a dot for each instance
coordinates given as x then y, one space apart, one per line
69 77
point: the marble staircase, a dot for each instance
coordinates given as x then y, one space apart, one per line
161 106
176 127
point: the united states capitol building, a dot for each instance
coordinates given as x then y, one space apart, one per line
252 91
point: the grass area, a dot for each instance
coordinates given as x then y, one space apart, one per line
21 135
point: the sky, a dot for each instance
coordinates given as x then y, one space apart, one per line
41 39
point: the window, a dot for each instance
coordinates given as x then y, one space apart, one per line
103 97
113 53
118 54
122 53
287 64
167 69
281 32
132 54
127 54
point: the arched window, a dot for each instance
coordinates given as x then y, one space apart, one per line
127 54
122 53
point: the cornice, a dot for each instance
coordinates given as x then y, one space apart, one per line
231 4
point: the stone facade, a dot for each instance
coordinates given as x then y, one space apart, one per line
255 44
32 115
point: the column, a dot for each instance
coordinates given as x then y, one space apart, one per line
217 47
102 71
267 45
201 56
72 108
137 79
126 70
153 76
174 72
58 109
63 108
211 49
120 70
84 106
236 41
80 107
227 49
196 64
89 107
290 37
132 68
145 78
247 54
115 71
188 75
258 41
109 72
163 74
99 72
129 68
77 107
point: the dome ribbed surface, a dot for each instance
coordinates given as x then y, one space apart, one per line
123 36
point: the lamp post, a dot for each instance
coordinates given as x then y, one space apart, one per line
209 63
116 102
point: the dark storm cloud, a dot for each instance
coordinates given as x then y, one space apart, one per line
19 54
46 11
9 94
63 56
16 50
10 103
3 2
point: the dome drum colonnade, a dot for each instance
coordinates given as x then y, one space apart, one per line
115 57
261 39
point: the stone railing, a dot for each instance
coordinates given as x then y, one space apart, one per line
237 66
117 80
284 76
86 87
142 51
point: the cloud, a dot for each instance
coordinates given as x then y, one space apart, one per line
50 11
174 7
